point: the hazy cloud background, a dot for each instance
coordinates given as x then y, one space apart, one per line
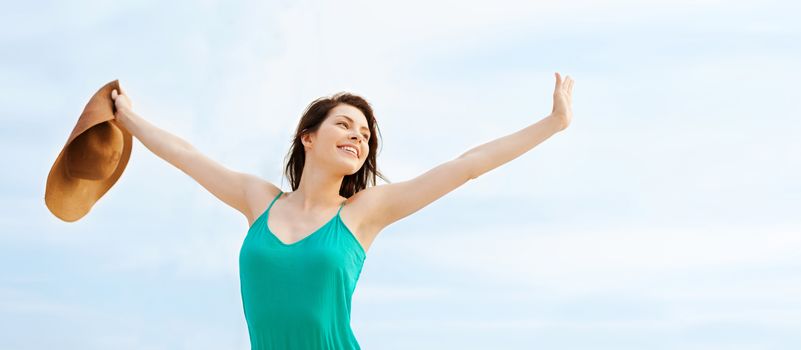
665 217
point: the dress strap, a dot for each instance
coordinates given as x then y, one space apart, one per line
274 199
340 207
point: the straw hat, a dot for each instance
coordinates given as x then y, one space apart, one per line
91 161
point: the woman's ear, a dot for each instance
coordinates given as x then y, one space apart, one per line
306 139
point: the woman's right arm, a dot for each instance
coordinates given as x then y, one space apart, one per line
231 187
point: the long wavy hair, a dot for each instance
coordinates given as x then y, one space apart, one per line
314 115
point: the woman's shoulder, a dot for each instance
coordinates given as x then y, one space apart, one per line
259 194
357 211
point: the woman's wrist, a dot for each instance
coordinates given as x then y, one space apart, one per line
558 121
124 116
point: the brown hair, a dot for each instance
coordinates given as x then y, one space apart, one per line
314 115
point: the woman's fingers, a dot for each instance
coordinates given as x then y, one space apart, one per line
115 96
558 81
568 81
564 84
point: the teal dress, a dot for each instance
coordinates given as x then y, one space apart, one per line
298 295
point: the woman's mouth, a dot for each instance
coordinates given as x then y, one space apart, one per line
349 153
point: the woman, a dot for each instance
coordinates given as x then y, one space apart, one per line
304 250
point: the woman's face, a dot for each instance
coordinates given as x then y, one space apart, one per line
345 125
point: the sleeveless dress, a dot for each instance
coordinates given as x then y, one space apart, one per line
298 295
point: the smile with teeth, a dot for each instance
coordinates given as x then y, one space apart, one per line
349 149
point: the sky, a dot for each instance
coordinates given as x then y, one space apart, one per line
665 217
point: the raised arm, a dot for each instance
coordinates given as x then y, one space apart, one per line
391 202
231 187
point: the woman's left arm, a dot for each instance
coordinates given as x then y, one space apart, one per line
389 203
495 153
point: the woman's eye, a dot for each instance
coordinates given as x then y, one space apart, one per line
346 125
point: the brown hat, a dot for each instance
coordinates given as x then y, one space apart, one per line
91 161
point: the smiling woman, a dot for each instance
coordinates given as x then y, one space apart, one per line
343 119
299 262
304 250
298 272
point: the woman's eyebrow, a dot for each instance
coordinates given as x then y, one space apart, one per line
351 120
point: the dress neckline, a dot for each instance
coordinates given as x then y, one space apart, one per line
271 233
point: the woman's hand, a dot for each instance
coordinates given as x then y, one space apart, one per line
121 100
562 100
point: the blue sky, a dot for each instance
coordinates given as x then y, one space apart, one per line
665 217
